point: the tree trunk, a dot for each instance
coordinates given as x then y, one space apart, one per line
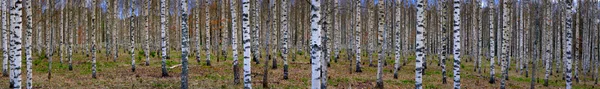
358 35
548 44
246 42
28 42
147 46
15 56
5 40
568 47
284 27
163 43
131 38
420 52
94 39
207 28
234 26
505 41
457 42
316 52
381 54
184 44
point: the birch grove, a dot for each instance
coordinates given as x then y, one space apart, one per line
319 43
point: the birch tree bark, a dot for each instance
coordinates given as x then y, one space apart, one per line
548 41
420 45
184 44
28 42
207 28
457 42
357 41
246 42
147 46
163 43
5 40
93 26
380 54
315 44
131 33
568 48
234 28
505 41
284 27
15 49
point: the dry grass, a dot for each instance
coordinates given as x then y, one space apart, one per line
219 75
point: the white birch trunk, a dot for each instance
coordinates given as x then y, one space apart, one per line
315 44
284 27
567 50
163 43
234 28
380 54
457 42
420 45
5 40
28 42
94 39
15 49
207 28
184 44
246 42
358 35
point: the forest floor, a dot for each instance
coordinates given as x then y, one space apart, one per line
119 75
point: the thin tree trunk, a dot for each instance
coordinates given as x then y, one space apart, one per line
420 44
207 28
131 38
5 40
457 42
147 46
284 27
505 41
163 43
547 37
246 42
94 39
381 54
28 42
15 56
185 44
358 35
316 52
568 47
234 27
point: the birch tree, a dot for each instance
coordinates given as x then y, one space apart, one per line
184 44
28 42
397 39
567 50
315 42
15 49
147 46
207 28
94 39
420 45
246 42
131 33
444 38
456 43
5 40
548 41
505 41
284 27
234 29
492 43
380 54
163 43
357 41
